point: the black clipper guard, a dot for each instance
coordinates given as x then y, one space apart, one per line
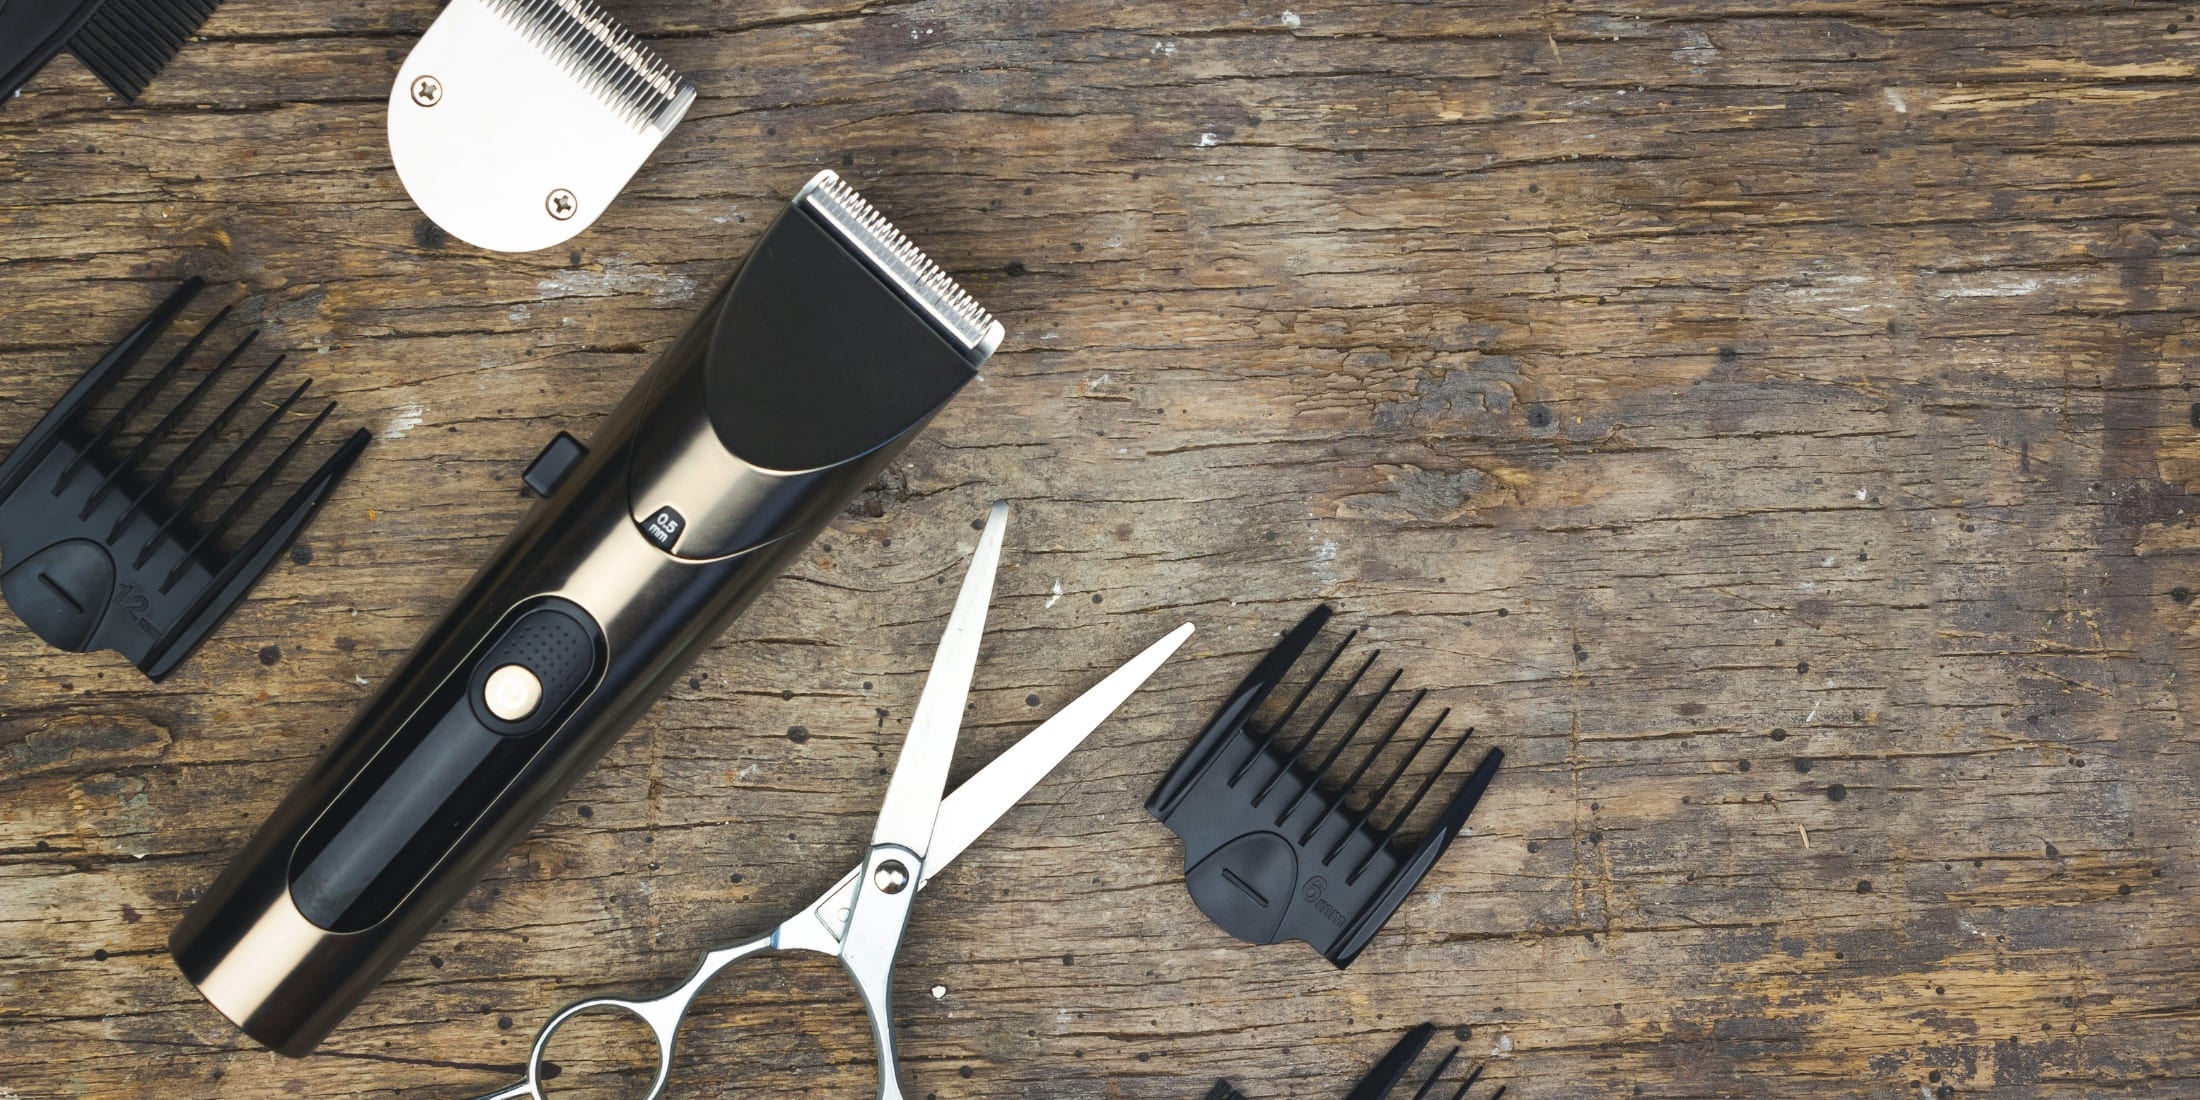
101 548
1386 1075
1271 853
827 352
125 43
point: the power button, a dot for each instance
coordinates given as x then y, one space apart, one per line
512 693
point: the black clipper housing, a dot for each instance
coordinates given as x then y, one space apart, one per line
1273 851
830 348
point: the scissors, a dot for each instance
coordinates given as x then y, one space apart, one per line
860 920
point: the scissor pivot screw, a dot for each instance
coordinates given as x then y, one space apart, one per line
891 877
427 91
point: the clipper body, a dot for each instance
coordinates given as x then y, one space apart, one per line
806 374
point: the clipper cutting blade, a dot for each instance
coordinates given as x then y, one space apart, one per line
514 123
102 548
918 278
1272 851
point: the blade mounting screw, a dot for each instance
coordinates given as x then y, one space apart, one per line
562 205
891 877
427 91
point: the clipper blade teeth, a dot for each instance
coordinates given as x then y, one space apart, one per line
604 57
918 278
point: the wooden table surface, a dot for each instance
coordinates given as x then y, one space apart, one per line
1770 422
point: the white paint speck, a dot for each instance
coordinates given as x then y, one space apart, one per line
1290 19
1055 596
1812 716
939 992
360 680
1165 49
1207 140
1504 1047
2005 287
1826 564
1863 494
403 421
1896 100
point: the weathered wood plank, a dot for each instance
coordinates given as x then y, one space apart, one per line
1770 422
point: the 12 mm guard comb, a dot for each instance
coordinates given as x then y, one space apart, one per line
102 548
1273 850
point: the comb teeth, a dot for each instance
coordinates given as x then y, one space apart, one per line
126 43
1223 1090
918 278
1397 1065
603 57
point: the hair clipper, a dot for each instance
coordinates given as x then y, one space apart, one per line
830 348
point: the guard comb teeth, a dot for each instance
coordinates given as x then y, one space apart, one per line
1396 1065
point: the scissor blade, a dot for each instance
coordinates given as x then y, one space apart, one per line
920 776
966 814
984 797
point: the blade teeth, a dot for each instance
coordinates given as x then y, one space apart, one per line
902 261
604 57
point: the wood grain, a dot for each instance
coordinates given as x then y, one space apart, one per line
1772 423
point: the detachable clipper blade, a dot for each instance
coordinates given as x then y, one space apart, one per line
514 123
1272 851
100 545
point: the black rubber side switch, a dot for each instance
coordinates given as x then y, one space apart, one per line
549 651
549 469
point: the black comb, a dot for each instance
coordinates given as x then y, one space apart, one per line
1224 1091
1271 851
1395 1065
125 43
99 546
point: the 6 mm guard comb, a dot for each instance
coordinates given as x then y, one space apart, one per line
1273 851
100 547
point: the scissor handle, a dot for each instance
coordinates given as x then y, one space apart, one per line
662 1015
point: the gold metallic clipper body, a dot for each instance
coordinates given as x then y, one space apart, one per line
807 373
